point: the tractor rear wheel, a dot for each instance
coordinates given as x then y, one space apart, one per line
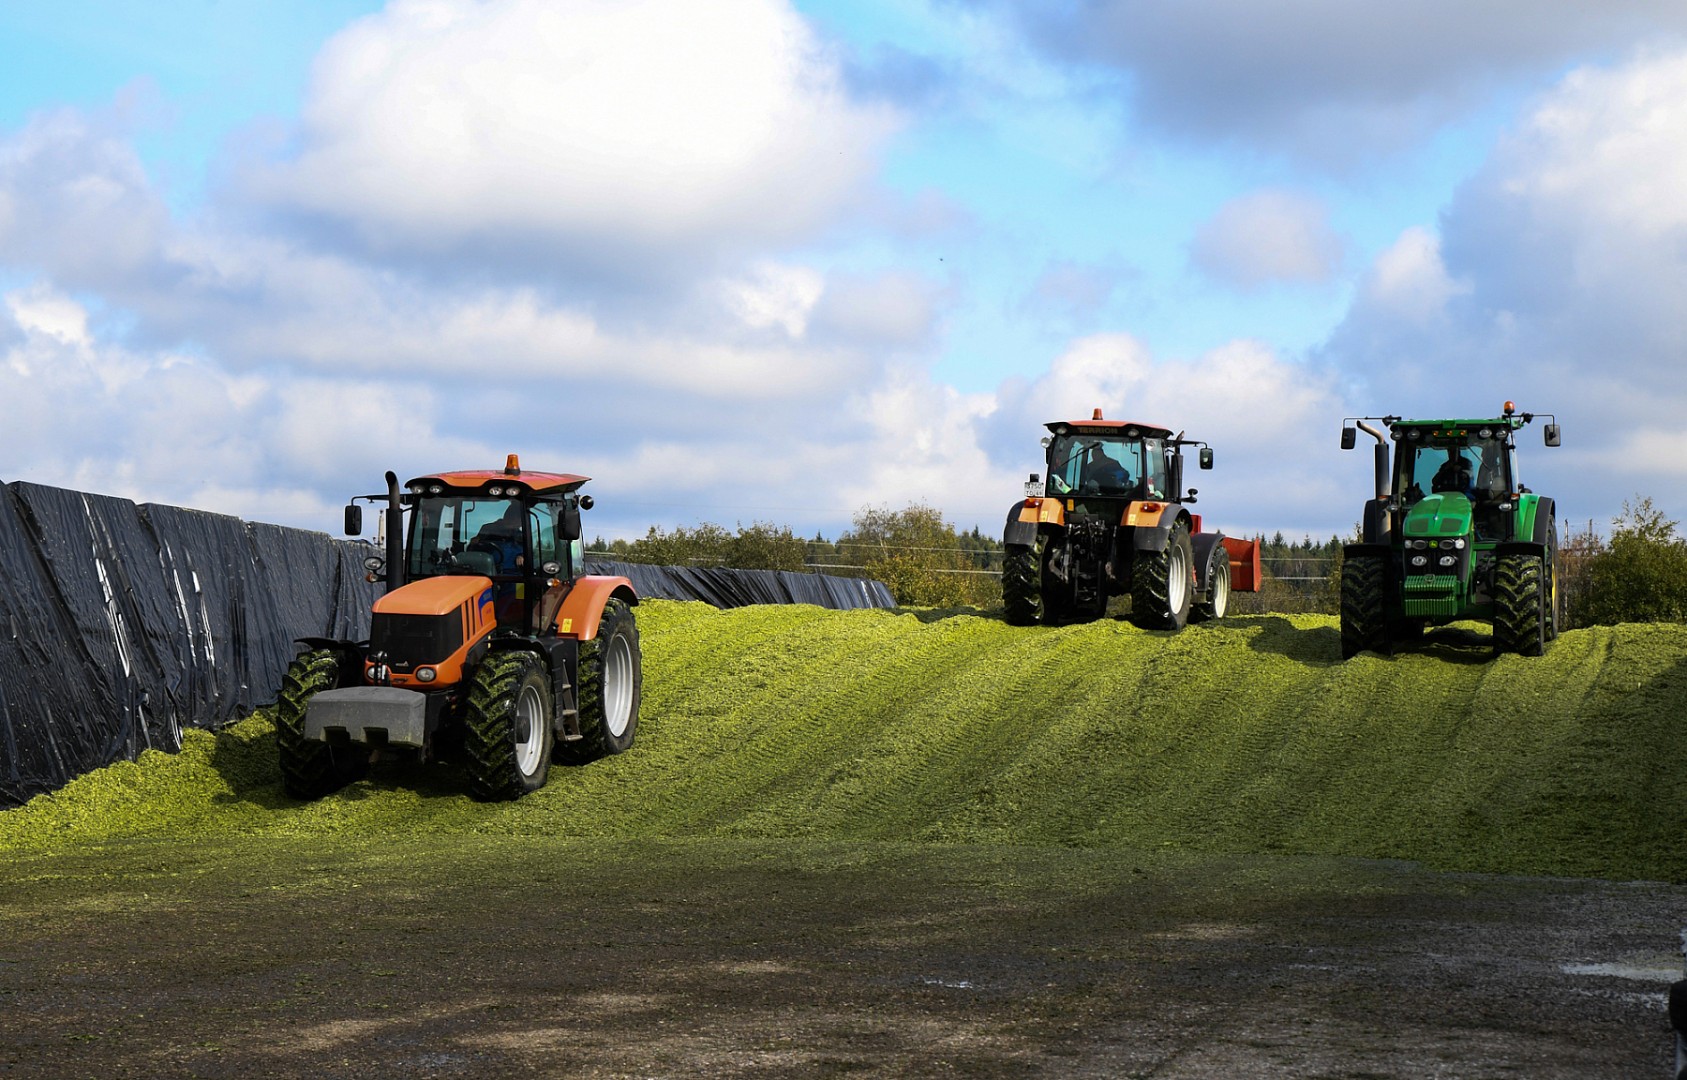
310 768
611 678
507 726
1162 583
1520 605
1218 590
1364 605
1020 572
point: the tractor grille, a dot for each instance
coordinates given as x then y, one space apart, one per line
415 639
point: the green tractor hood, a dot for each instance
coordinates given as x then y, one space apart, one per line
1437 516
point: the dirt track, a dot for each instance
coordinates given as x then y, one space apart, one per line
463 956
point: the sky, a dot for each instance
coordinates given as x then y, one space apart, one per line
786 260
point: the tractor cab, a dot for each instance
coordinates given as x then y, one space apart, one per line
1467 468
518 529
1111 461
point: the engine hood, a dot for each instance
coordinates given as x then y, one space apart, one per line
1435 516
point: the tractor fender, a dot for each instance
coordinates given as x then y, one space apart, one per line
1377 525
1153 535
1544 511
1205 544
581 607
1521 547
1019 530
354 649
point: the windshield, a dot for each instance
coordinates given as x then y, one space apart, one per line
1475 467
1105 465
478 535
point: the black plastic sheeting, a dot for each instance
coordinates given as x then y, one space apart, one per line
120 625
741 588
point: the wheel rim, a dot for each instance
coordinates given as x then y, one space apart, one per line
617 686
1221 595
529 730
1177 588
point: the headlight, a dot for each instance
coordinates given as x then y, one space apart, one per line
1420 560
1448 560
1420 544
495 492
434 489
1485 433
374 564
426 674
1414 434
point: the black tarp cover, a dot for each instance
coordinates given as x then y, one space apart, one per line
120 625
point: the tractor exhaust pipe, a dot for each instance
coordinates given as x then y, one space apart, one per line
1385 480
395 534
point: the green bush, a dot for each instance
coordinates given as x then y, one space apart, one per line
1640 575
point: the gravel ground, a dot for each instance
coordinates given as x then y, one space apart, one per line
464 956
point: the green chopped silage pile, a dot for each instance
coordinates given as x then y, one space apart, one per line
1248 736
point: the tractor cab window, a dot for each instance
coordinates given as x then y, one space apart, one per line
1104 465
1478 468
549 545
468 535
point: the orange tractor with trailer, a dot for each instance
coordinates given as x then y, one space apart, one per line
1113 519
490 646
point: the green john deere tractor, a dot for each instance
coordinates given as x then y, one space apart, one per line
1452 534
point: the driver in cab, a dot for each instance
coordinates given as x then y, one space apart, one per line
1104 473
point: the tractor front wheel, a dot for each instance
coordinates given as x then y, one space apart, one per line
1520 606
1162 583
1218 590
1364 605
310 768
507 726
611 677
1019 584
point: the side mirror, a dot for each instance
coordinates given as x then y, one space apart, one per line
1552 438
571 522
1206 458
1348 437
354 520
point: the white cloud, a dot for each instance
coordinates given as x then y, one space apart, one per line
1268 237
611 125
775 295
1334 80
1555 282
1409 279
1272 424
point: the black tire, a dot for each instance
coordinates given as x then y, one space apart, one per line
310 768
507 734
1054 595
1163 583
609 687
1364 605
1020 573
1217 601
1520 605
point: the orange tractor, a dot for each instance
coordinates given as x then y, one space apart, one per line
1112 519
490 646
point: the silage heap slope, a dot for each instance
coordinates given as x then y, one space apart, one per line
1248 736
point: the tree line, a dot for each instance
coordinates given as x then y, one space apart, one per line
1638 574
